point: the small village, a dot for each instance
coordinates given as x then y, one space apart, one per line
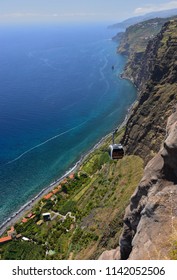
46 217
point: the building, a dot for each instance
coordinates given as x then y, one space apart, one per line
56 190
33 216
48 196
12 232
25 239
46 217
40 222
5 239
29 215
24 220
18 236
71 176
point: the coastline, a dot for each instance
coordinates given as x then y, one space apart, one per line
27 206
16 216
124 77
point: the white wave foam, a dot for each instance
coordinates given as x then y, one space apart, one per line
43 143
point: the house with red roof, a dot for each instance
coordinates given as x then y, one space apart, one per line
71 176
48 196
5 239
56 190
24 220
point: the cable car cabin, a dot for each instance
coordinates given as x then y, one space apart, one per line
116 151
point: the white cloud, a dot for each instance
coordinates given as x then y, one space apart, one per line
77 14
19 15
54 15
153 8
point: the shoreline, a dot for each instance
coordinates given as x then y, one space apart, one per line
28 205
15 217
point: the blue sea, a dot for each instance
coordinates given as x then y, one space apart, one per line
58 97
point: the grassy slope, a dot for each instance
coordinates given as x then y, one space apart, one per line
97 199
137 36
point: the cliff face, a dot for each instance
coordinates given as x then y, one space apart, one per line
150 220
134 43
157 83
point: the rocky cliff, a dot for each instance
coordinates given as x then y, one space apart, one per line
156 80
134 42
150 220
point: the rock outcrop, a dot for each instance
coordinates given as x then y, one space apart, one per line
134 43
157 83
110 255
150 222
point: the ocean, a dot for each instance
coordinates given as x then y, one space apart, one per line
58 97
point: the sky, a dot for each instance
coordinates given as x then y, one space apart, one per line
78 10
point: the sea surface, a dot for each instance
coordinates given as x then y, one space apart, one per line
58 97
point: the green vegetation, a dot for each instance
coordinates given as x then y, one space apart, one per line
86 215
135 41
173 253
21 250
137 36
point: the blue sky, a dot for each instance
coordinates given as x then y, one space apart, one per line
78 10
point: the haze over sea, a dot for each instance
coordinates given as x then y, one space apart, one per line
58 97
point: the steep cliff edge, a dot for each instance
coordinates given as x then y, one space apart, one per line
133 44
157 83
150 220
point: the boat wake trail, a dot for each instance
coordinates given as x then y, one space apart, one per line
45 142
103 77
103 68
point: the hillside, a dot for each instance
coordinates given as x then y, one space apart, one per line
134 20
136 37
156 80
134 43
150 221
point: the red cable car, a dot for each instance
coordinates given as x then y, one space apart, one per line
116 151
